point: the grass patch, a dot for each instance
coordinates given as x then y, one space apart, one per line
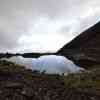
88 79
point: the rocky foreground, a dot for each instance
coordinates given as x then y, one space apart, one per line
17 83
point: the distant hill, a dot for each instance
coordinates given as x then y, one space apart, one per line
84 50
25 55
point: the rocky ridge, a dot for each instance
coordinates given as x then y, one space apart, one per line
84 50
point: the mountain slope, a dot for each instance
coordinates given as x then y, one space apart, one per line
85 48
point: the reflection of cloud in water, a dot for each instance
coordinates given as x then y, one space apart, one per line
27 62
49 63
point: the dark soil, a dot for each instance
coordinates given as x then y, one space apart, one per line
17 83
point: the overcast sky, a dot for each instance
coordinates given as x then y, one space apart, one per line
44 25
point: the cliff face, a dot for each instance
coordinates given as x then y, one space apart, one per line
84 50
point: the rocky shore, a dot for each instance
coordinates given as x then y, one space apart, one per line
17 83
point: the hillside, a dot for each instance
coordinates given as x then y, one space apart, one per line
84 50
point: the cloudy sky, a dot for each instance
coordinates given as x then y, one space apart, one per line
44 25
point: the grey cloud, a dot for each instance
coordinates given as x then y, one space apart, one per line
18 16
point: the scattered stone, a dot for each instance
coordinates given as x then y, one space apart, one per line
13 85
